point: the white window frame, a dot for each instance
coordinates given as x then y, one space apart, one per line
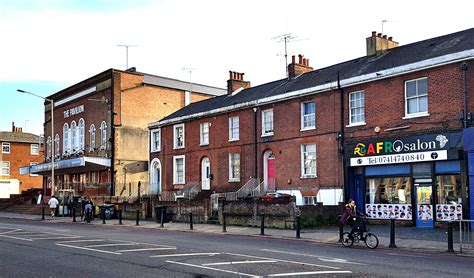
32 149
233 174
74 137
175 136
305 116
66 139
82 134
92 145
56 145
234 128
204 133
50 150
304 152
416 114
31 164
175 173
103 135
5 166
267 127
155 140
353 107
6 145
310 200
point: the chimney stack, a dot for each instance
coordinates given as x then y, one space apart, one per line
295 69
236 81
16 129
378 44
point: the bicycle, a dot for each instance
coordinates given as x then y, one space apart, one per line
360 233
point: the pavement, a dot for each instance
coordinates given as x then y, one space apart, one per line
406 238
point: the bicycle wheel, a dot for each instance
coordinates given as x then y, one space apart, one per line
371 241
347 240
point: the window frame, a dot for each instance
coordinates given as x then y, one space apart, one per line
302 119
305 175
202 126
92 144
66 139
233 128
351 123
264 131
82 135
7 145
152 140
232 166
175 136
49 151
416 114
2 167
103 135
37 149
175 173
57 140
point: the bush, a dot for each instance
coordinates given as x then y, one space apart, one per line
318 221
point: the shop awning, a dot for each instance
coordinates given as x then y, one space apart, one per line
78 164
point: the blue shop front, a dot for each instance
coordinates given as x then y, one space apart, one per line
421 178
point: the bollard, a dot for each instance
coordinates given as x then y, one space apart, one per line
138 218
120 216
88 215
392 233
298 222
191 220
42 213
162 220
262 224
102 212
73 213
341 229
450 237
224 228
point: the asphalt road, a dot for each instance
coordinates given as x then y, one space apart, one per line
44 249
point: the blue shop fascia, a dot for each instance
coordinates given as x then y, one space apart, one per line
421 178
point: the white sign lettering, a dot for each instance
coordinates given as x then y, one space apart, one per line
400 158
73 111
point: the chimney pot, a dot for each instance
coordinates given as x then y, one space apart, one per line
374 33
379 35
384 36
390 38
300 57
293 59
307 62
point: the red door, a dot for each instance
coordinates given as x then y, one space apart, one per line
271 174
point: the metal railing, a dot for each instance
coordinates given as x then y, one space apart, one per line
189 191
466 236
263 188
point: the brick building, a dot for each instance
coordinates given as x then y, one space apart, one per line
386 127
19 149
100 145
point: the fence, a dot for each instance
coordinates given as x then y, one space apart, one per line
466 236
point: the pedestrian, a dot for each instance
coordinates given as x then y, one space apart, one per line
53 204
88 210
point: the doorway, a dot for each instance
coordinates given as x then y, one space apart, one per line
205 174
269 170
155 177
424 205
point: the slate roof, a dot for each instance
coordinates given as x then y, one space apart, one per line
19 137
393 58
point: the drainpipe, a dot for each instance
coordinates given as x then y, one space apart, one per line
340 137
112 134
255 142
464 69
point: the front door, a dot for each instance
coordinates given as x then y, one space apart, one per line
206 174
424 205
269 171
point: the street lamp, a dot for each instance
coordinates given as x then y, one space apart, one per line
52 135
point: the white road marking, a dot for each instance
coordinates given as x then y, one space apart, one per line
241 262
285 261
58 237
324 259
183 255
8 232
88 249
406 255
309 273
26 232
109 244
215 269
19 238
147 249
82 240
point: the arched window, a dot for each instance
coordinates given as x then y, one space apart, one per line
103 136
74 143
48 155
56 144
92 138
65 139
81 134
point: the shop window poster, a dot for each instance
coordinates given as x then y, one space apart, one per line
425 212
448 212
389 211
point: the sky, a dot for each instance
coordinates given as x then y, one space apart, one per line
49 45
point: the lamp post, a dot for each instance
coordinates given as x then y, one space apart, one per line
52 135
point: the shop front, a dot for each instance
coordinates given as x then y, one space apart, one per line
418 178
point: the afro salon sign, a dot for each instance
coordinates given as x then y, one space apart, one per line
426 148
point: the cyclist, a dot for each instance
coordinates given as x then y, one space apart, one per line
349 216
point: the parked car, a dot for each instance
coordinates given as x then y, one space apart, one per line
274 196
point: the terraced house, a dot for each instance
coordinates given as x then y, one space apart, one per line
390 129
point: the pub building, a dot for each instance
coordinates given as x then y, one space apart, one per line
413 178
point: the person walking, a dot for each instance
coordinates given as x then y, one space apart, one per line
53 204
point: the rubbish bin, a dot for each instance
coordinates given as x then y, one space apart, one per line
158 211
109 211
